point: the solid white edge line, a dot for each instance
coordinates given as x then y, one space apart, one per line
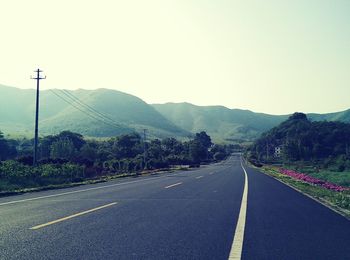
77 191
237 244
72 216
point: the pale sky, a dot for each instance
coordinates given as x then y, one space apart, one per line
271 56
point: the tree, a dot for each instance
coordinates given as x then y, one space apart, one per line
172 146
76 139
45 146
88 152
127 146
63 148
204 139
197 152
218 152
301 139
155 150
4 147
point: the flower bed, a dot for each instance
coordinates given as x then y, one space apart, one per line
312 180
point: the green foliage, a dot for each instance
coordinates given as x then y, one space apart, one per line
303 140
338 177
21 176
62 148
7 148
197 151
204 139
68 157
3 147
127 146
16 172
89 152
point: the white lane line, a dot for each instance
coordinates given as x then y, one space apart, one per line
72 216
199 177
173 185
237 244
211 173
77 191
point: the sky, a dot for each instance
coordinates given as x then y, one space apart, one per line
271 56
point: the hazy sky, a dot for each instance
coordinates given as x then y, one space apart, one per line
270 56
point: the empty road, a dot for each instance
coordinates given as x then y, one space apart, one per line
183 215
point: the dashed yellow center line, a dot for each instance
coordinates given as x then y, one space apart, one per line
173 185
199 177
72 216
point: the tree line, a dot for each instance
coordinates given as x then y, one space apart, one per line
299 139
69 156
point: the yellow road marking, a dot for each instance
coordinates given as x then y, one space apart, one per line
172 185
199 177
237 244
72 216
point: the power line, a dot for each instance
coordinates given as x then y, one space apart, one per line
90 108
81 110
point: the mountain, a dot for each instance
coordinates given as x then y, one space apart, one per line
221 123
225 124
80 111
121 113
343 116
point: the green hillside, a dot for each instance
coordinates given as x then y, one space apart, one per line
343 116
128 113
221 123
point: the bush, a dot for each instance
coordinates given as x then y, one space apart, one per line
27 176
73 172
12 170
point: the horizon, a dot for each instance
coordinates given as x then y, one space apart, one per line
273 57
183 102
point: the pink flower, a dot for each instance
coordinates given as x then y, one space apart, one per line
312 180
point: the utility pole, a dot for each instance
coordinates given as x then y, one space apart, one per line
144 149
37 78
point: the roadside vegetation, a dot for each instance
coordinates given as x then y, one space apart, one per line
340 201
70 158
313 157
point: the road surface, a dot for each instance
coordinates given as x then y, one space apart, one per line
181 215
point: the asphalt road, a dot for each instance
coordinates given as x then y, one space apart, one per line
182 215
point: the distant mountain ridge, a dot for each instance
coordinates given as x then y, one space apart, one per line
220 122
227 124
129 113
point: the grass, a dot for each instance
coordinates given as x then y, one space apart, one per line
340 178
339 201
